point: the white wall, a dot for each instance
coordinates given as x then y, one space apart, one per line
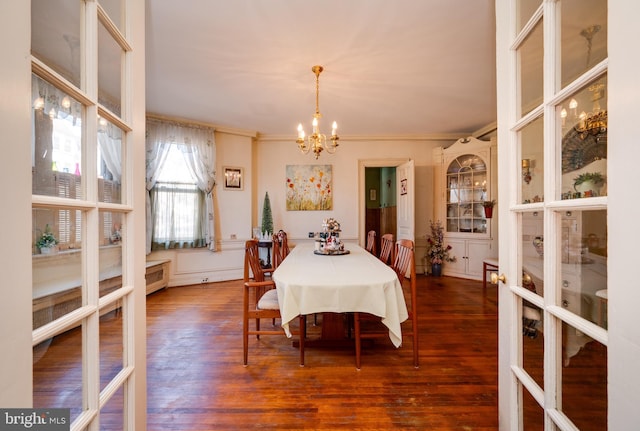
272 157
15 254
623 156
264 163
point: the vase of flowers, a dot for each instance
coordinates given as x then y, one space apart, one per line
437 251
47 241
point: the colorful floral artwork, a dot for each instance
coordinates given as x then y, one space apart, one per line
309 188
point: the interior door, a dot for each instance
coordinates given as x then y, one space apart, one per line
552 320
405 190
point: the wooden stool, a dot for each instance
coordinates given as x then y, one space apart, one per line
488 265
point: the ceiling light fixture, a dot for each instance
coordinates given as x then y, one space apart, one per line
317 141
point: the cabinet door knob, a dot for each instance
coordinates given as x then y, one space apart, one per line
495 278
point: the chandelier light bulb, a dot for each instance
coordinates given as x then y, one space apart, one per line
563 115
38 103
573 105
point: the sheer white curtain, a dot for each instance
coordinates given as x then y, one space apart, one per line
200 155
199 151
110 142
157 147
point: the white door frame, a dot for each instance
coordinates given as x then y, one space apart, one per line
362 192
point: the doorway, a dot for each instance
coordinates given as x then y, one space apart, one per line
380 202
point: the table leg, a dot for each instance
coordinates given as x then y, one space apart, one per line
333 333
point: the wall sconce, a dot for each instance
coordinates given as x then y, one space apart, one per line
526 173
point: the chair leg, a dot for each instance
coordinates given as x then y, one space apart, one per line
356 330
303 335
245 340
416 349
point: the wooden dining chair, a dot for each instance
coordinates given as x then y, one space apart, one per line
371 242
404 265
280 247
260 301
387 247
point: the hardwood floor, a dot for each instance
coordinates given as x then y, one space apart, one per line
196 380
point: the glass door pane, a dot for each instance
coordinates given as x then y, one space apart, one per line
584 380
532 161
530 78
584 141
584 37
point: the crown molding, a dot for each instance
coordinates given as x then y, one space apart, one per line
369 138
216 127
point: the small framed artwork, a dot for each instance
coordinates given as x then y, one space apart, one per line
403 187
233 178
373 194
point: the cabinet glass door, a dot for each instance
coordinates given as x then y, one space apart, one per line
466 190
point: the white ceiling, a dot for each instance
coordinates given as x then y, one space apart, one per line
395 68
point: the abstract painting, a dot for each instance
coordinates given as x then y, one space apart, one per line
309 188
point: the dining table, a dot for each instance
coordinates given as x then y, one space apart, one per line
309 282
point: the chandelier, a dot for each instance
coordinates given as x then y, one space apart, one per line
317 141
593 123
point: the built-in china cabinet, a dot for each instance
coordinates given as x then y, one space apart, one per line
465 182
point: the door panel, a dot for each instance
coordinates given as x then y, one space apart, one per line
405 180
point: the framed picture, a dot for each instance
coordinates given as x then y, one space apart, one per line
403 187
309 188
233 178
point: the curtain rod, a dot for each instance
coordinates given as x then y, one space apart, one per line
179 122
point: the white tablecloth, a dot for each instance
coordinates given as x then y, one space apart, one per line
308 283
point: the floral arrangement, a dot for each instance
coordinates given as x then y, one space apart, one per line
489 204
47 239
437 252
595 177
331 225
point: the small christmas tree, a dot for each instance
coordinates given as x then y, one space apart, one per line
267 218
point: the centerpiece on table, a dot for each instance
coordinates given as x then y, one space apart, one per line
437 252
330 237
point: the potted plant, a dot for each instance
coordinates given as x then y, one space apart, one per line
437 252
488 208
267 217
588 181
47 241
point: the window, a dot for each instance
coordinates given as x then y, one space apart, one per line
176 205
181 162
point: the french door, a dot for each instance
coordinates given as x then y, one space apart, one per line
552 64
87 138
